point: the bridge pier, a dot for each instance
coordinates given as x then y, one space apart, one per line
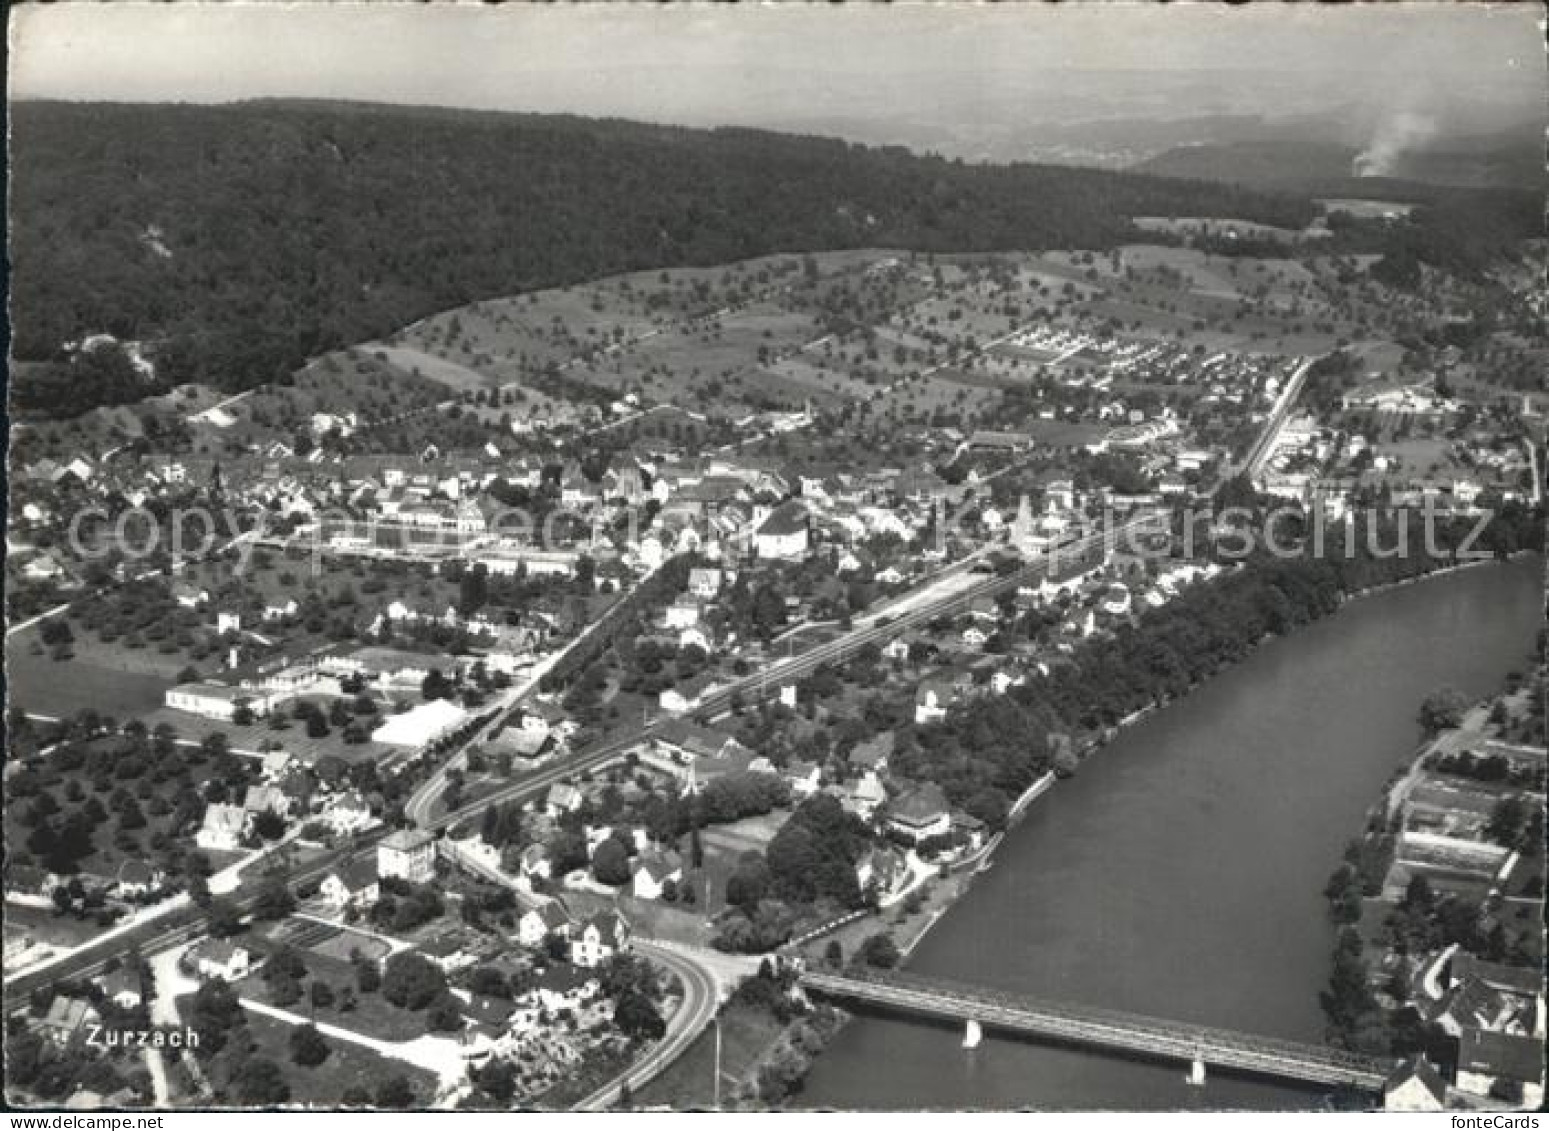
972 1034
1196 1075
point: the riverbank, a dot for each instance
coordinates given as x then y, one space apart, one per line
1453 843
912 934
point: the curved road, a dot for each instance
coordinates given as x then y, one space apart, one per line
701 998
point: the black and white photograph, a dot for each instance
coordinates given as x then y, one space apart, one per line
920 557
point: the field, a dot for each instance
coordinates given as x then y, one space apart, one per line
688 1084
348 1065
59 689
1365 209
1219 226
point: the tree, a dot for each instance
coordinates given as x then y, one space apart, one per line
444 1015
610 863
412 981
259 1082
395 1093
274 900
636 1015
213 1014
880 950
1443 709
269 825
223 918
307 1046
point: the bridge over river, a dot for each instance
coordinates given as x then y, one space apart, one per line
1198 1045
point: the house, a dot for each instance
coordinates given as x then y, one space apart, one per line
599 939
679 741
865 796
974 637
968 828
355 885
265 799
348 813
64 1019
704 583
222 829
1414 1085
932 698
122 987
281 612
805 778
785 534
653 871
687 695
683 613
275 764
560 988
1471 1004
137 878
541 922
1502 1066
450 951
920 814
880 866
541 718
408 854
563 798
189 596
220 958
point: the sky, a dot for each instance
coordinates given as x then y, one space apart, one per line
861 69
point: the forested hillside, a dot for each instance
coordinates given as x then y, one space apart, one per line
237 241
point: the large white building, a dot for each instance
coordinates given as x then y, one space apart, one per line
784 535
218 701
408 854
421 725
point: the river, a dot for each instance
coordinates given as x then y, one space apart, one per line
1180 873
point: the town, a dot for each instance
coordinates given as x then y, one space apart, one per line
598 680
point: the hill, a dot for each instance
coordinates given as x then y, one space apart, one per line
238 241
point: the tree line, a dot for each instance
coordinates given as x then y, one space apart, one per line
241 240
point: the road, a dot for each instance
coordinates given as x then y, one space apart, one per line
701 999
1264 447
421 805
183 925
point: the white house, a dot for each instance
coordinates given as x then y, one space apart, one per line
563 798
785 534
348 813
221 958
921 813
805 778
704 583
537 924
653 871
222 828
354 885
599 939
408 854
1414 1085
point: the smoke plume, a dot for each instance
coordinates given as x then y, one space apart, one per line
1396 135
